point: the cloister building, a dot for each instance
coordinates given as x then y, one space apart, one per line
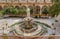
37 5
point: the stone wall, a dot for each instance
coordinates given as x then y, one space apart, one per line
31 37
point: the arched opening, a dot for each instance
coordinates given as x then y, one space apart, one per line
45 10
5 7
31 9
17 7
23 11
1 8
37 9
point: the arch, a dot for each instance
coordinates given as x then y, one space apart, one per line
17 7
11 6
44 10
30 6
5 6
31 9
1 8
44 6
37 9
23 9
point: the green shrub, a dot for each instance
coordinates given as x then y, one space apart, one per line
1 13
45 11
23 10
31 10
11 10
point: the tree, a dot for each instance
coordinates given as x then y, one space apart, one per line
11 10
55 1
23 9
54 10
1 13
15 11
45 10
31 10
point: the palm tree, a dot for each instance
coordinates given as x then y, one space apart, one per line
54 10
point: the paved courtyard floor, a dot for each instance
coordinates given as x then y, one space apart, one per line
10 21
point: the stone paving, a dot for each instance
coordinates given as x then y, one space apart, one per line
57 25
10 21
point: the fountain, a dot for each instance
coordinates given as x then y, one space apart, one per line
30 27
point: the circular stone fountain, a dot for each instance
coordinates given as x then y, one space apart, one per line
30 27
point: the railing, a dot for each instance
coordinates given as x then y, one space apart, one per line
29 37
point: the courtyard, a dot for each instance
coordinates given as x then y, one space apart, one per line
9 21
29 19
